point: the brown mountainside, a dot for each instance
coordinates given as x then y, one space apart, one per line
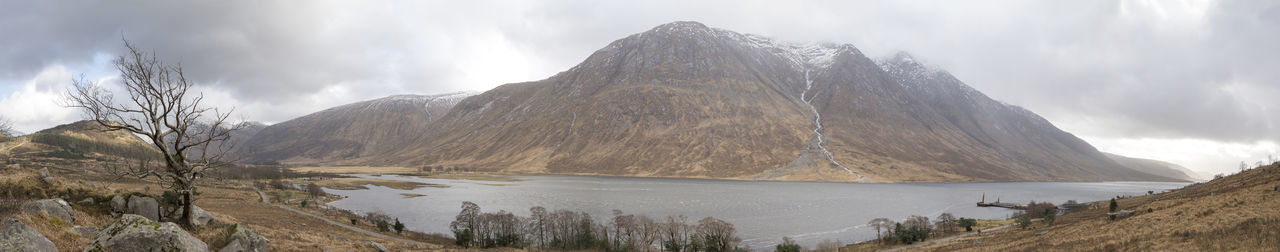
1157 167
349 131
686 100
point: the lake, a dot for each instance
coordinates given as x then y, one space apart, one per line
762 211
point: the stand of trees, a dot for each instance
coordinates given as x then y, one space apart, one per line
568 230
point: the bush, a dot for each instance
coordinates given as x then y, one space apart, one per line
1049 217
967 224
383 227
1023 221
1038 210
787 245
1114 205
399 227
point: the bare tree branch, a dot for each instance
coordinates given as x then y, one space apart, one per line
191 137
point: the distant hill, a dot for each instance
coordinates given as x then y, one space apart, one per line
1157 167
349 131
82 140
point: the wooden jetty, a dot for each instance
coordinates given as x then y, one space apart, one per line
984 203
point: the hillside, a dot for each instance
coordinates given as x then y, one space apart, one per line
349 131
687 100
1157 167
1234 213
78 140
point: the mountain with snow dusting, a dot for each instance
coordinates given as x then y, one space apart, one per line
687 100
350 131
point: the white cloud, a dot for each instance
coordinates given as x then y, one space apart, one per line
35 105
1205 156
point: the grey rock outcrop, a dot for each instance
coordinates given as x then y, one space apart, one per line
136 233
175 214
53 207
44 175
19 237
118 206
86 231
378 247
86 201
144 206
245 240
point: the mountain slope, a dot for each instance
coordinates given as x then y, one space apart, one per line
686 100
1156 167
1233 213
79 140
349 131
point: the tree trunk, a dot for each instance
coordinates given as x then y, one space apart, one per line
188 219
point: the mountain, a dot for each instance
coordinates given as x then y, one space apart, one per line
687 100
349 131
1157 167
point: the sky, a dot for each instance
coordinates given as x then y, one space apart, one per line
1190 82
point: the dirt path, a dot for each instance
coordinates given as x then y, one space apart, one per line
340 224
931 242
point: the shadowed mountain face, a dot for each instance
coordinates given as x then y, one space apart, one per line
1157 167
686 100
349 131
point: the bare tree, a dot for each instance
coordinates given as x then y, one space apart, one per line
191 137
717 235
878 224
675 233
946 223
6 128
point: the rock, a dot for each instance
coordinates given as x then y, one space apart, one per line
85 231
118 204
144 206
19 237
13 166
53 207
378 247
44 175
202 217
137 233
86 201
245 240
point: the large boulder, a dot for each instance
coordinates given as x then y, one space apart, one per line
136 233
19 237
202 217
118 204
144 206
245 240
53 207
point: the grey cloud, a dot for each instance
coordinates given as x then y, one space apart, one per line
1135 71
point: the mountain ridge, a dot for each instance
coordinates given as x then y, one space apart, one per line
687 100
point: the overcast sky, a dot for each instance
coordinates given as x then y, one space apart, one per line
1191 82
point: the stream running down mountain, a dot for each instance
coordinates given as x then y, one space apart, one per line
817 127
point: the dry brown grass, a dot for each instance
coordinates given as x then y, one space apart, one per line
229 201
359 183
1236 213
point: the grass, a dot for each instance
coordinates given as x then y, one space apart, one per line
412 195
